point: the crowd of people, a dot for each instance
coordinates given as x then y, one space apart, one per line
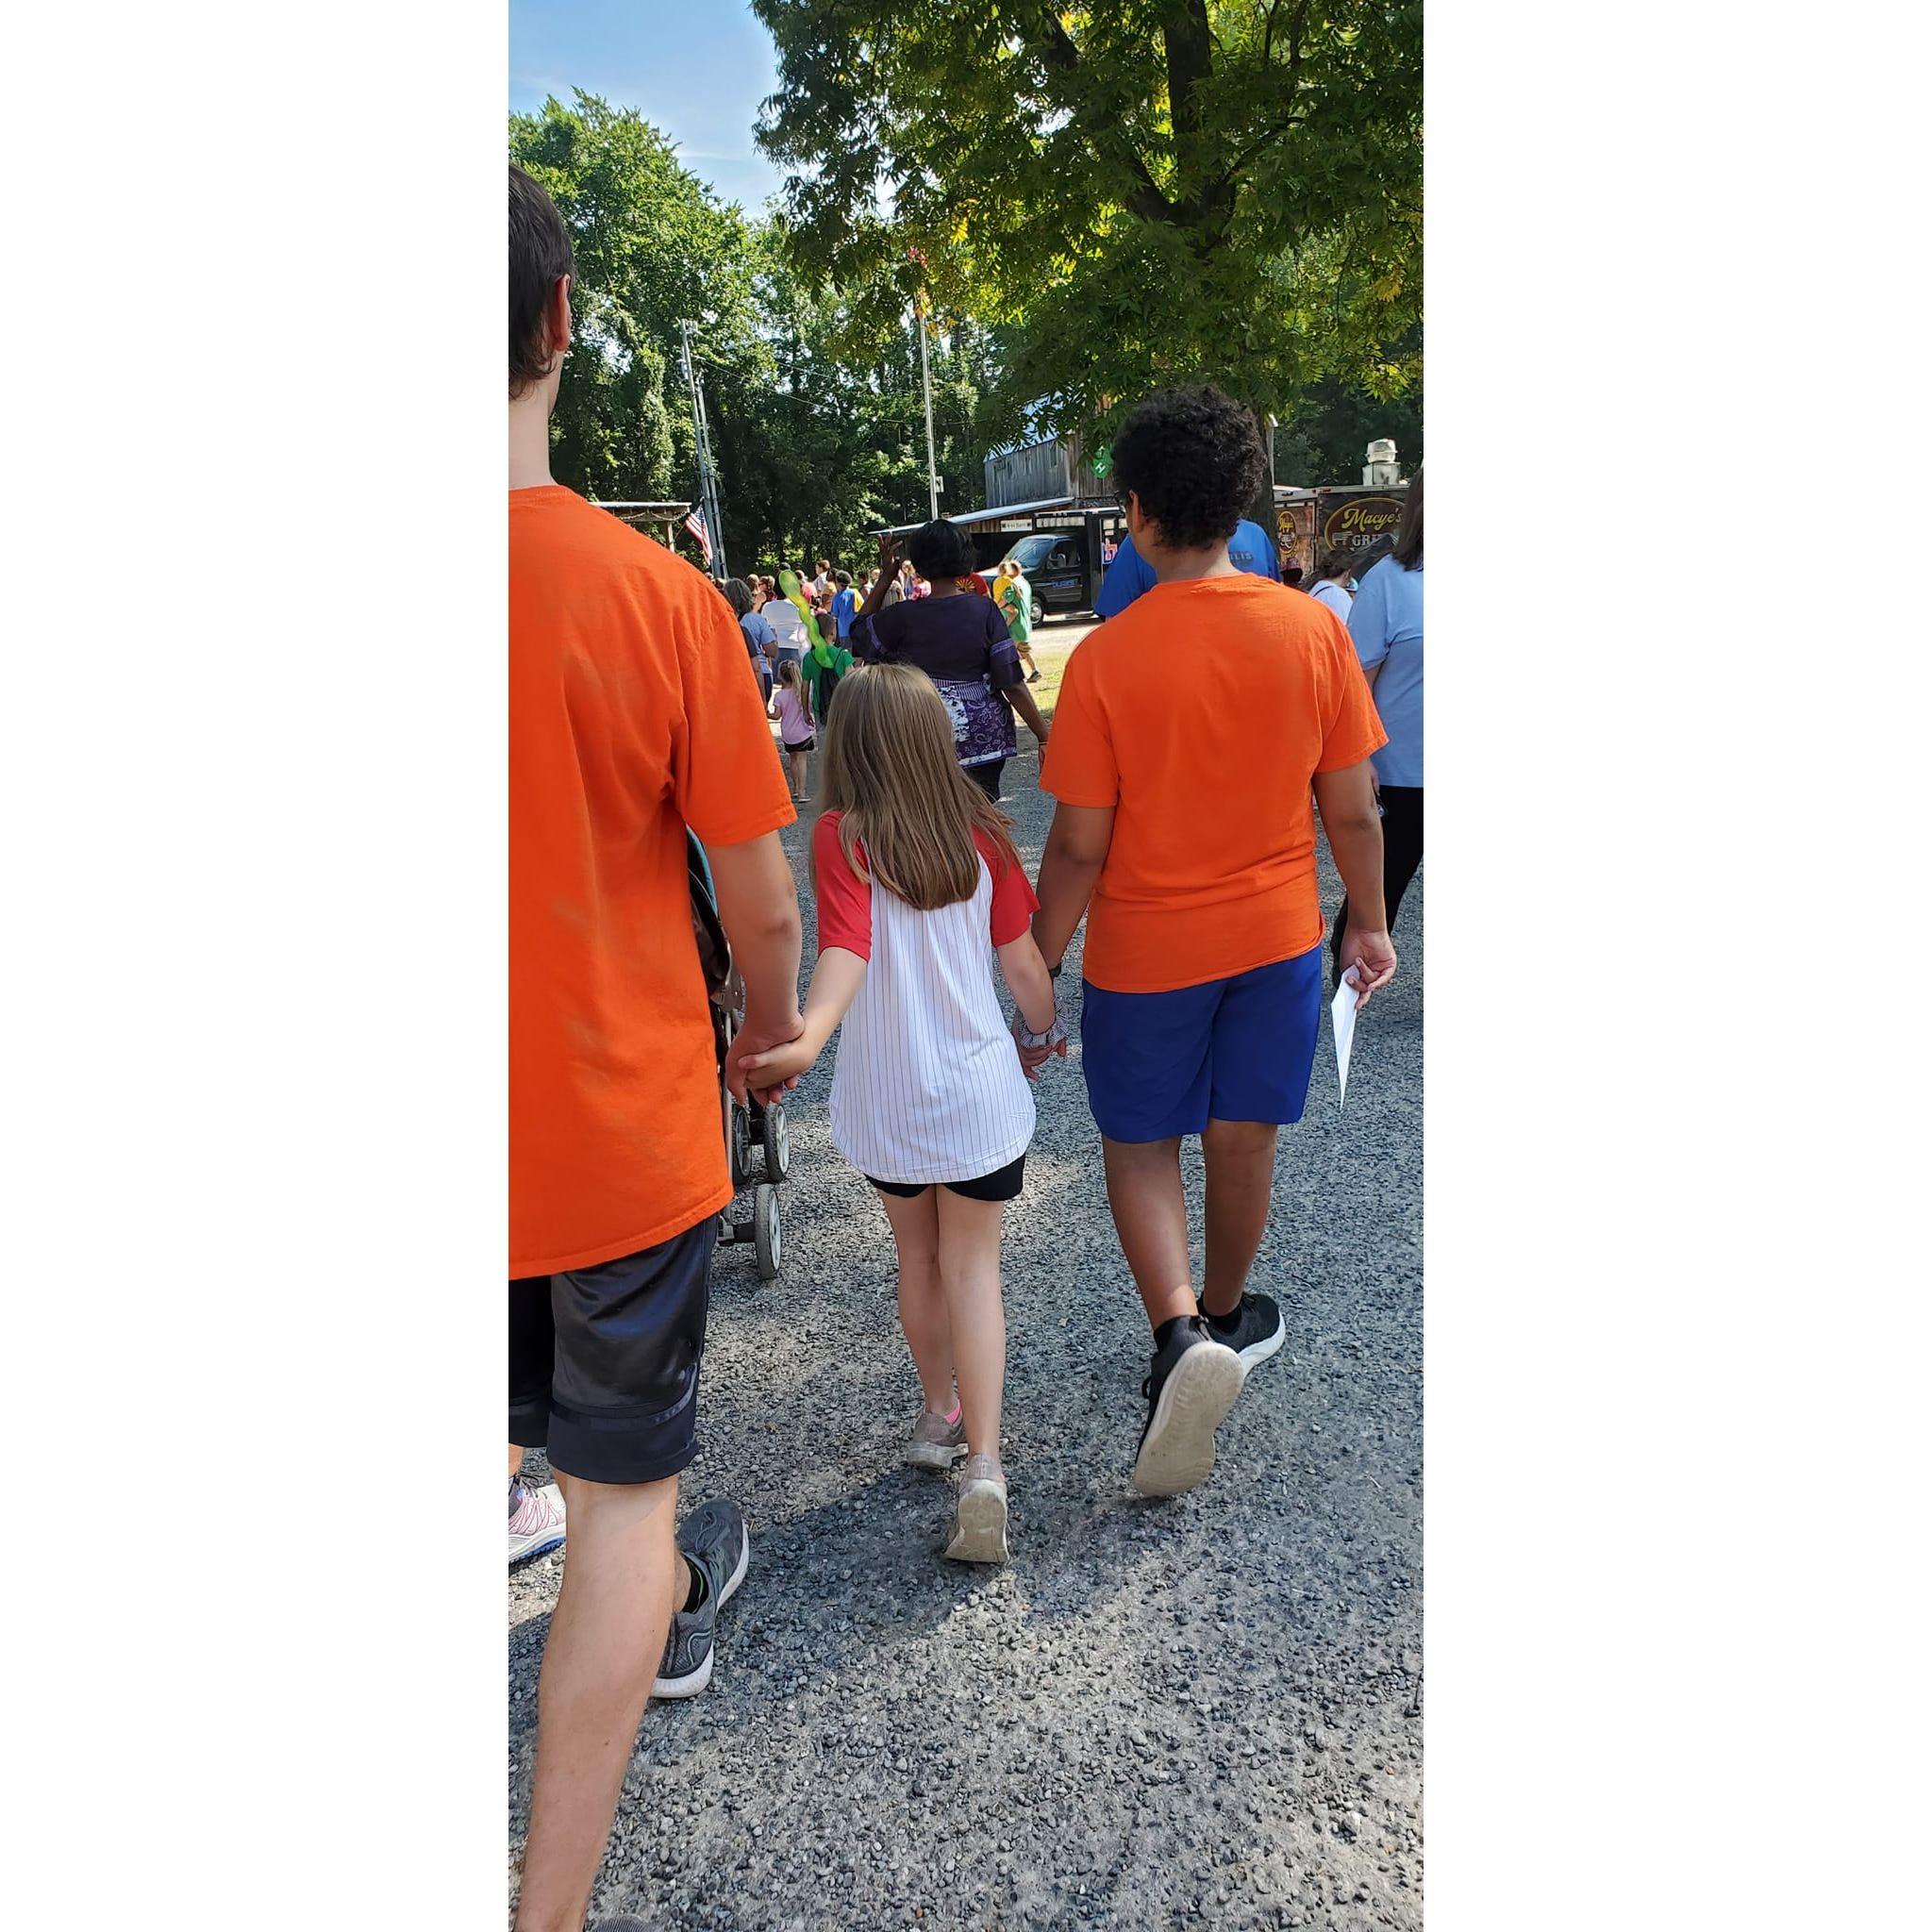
1190 860
822 624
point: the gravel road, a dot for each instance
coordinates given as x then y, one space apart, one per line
1199 1711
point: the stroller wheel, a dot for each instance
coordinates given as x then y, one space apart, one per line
767 1233
741 1146
778 1144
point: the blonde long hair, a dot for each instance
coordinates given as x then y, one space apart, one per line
890 769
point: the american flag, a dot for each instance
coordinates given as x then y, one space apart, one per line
694 522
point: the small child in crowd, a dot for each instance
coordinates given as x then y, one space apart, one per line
919 888
791 706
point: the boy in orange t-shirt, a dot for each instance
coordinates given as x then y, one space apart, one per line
1184 815
633 716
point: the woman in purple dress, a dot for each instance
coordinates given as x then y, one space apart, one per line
961 642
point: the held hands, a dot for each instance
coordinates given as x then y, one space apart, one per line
773 1075
1033 1057
1372 957
767 1059
1036 1049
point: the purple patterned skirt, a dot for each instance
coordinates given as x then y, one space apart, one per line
982 722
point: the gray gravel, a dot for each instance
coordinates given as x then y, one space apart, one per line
1207 1707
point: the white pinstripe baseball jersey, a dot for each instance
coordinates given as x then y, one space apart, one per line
928 1085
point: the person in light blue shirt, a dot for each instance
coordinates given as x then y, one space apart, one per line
1127 576
761 640
1386 622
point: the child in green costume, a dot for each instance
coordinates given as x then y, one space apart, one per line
825 663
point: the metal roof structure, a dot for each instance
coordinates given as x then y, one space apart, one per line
999 512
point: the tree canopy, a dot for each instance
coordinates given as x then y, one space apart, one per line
654 245
1136 194
1100 200
812 391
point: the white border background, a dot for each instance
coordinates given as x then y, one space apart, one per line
254 781
254 787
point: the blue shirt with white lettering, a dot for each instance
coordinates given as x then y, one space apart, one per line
1127 576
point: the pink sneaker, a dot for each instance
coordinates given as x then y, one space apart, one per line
536 1520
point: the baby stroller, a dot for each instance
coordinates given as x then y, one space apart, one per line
755 1141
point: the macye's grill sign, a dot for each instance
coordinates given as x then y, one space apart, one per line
1311 523
1359 523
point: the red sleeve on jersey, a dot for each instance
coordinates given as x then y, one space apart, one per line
1013 904
844 898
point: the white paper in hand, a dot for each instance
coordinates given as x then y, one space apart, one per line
1343 1010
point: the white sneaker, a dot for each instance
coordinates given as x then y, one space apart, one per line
979 1520
536 1520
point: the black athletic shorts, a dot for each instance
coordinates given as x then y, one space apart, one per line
603 1361
1003 1184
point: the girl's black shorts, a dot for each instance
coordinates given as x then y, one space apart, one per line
1003 1184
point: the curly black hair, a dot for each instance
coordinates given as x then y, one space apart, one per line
1193 457
940 550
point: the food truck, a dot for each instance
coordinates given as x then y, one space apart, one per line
1065 540
1361 518
1063 547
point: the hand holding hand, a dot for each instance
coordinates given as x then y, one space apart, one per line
1372 955
752 1042
1033 1057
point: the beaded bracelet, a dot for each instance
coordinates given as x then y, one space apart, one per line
1052 1037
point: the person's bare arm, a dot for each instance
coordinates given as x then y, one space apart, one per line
757 904
1021 700
1030 983
875 598
1075 850
835 983
1348 801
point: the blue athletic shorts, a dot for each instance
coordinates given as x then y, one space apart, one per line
1163 1064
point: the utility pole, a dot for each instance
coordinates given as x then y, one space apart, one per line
932 467
708 475
714 517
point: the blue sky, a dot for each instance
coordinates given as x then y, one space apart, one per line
696 69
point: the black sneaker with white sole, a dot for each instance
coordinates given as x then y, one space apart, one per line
1190 1389
1256 1334
715 1543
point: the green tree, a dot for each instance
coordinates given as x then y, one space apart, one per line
1328 432
1134 194
820 438
654 246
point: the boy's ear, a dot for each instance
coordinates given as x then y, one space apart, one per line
561 317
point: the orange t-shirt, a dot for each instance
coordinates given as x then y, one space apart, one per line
633 713
1200 714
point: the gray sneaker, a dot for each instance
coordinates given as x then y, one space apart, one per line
718 1547
979 1522
936 1443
